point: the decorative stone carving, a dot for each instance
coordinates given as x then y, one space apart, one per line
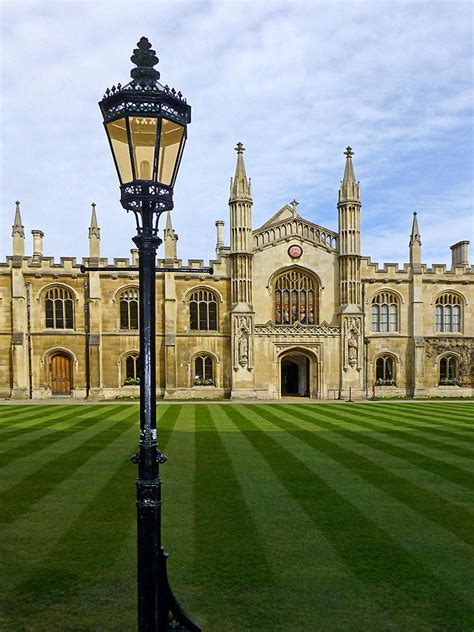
297 330
243 342
352 331
462 347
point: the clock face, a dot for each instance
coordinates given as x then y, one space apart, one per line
295 252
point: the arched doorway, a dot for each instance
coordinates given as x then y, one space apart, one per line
295 375
61 374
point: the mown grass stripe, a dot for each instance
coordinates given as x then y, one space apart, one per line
443 469
87 550
47 437
23 495
458 415
432 506
312 586
390 425
24 426
423 422
396 578
229 558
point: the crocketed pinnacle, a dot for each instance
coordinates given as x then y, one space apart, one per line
94 230
18 228
240 186
415 232
349 189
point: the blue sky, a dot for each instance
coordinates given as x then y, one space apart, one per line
296 82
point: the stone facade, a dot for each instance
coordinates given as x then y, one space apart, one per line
291 308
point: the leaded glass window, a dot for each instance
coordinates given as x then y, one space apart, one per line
295 298
59 309
203 311
132 369
129 309
448 370
384 312
385 371
448 313
204 370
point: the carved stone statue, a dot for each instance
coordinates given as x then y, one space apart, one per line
352 350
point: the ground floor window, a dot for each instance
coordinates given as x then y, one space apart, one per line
204 371
132 370
448 371
385 371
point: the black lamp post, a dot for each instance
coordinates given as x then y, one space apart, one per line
146 127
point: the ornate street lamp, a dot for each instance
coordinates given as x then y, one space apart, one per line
146 127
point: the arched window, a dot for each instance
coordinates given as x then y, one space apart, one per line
129 309
448 370
296 298
204 370
448 313
59 309
203 311
385 371
132 369
384 312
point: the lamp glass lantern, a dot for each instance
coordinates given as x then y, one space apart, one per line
146 126
146 148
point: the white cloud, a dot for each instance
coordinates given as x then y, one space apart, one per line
296 82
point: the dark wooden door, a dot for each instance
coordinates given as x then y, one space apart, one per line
61 374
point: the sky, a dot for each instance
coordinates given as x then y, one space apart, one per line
295 82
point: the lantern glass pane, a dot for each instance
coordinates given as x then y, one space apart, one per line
172 136
117 131
143 135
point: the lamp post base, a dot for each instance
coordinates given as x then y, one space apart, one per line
174 617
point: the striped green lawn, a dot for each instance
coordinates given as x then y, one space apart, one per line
331 517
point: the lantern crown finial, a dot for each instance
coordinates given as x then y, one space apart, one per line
144 57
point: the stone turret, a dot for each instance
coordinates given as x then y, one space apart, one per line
170 239
241 259
18 234
350 295
94 235
415 243
349 235
416 311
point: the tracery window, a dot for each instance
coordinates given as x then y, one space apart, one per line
296 298
132 369
129 309
59 309
204 370
384 312
203 310
448 313
448 370
385 371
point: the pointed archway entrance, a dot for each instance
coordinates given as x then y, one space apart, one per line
295 375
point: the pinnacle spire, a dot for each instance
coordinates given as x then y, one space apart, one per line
415 231
94 229
349 189
169 225
170 238
18 228
240 185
